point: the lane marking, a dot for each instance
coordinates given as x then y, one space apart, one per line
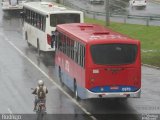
58 86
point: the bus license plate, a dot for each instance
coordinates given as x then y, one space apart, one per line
114 88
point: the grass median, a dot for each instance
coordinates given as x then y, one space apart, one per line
148 35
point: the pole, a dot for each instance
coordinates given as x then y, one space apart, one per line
107 12
57 1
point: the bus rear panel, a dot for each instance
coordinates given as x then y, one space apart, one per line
12 4
113 70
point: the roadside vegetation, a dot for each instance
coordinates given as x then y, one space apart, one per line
148 35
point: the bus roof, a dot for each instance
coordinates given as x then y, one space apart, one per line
87 32
48 8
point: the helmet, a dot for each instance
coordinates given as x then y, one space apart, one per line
40 82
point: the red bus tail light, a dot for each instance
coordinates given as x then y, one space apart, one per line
49 5
49 38
92 81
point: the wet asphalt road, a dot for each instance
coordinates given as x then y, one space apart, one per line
21 67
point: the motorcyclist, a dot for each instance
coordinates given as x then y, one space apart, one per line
38 93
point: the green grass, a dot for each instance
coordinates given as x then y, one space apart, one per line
148 35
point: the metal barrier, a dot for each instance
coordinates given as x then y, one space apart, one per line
95 15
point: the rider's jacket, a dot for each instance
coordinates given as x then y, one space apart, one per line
37 88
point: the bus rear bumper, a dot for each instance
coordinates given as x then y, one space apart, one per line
136 94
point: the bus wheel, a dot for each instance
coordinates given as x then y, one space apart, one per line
76 91
38 47
60 77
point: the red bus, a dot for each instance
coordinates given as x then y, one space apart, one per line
96 62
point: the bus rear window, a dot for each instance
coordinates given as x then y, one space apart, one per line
64 18
113 54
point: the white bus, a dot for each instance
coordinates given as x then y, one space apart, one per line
40 20
12 4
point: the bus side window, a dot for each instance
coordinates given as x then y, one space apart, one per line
76 51
59 41
60 45
55 39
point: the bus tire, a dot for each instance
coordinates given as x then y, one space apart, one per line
76 91
38 47
60 77
26 38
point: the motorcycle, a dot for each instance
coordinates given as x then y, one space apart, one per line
41 110
40 107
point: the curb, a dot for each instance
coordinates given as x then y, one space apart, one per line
151 66
155 1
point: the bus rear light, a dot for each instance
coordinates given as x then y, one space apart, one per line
136 83
127 95
95 71
49 38
101 95
92 80
49 5
135 79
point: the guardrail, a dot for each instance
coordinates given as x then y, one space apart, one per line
138 17
96 15
145 18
